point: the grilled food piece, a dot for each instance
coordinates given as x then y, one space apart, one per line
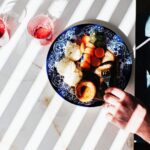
85 91
103 69
109 57
105 73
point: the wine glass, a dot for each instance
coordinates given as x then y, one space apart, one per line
9 20
41 27
4 33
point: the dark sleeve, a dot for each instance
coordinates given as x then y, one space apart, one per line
141 59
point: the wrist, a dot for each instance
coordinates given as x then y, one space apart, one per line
144 129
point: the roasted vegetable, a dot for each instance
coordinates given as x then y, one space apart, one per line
85 91
99 52
109 56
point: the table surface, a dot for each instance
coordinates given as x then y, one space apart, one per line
32 115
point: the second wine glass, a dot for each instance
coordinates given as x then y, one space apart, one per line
41 27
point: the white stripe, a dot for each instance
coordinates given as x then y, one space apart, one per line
129 19
134 51
132 126
70 128
6 50
126 25
81 11
7 5
107 10
87 144
96 132
44 124
24 110
142 44
120 140
60 5
90 145
18 75
37 137
27 105
122 136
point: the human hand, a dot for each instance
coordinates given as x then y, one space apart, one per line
127 112
120 106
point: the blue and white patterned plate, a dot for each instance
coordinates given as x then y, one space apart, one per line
113 42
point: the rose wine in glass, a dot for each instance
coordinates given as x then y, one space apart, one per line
41 27
9 20
4 33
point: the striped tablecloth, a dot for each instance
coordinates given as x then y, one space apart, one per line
32 115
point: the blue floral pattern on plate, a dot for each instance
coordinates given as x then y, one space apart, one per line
113 42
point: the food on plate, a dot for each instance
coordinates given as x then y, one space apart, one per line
99 39
90 45
72 78
104 68
72 51
82 47
89 51
85 91
87 66
87 57
85 39
99 52
109 56
95 62
65 66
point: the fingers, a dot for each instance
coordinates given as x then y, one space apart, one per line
110 109
111 99
118 122
120 106
109 117
116 92
115 116
115 108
